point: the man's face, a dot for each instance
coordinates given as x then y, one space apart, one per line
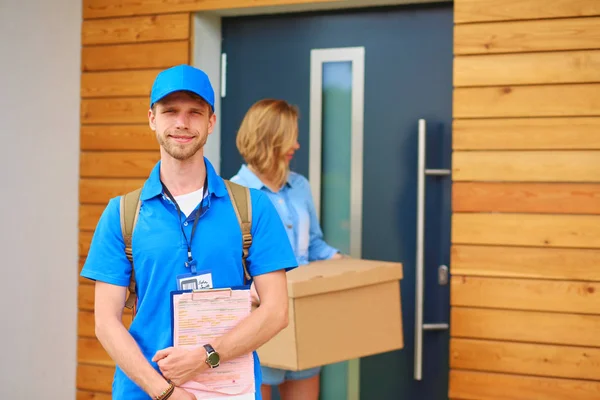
182 123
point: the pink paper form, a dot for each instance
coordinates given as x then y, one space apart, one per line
200 317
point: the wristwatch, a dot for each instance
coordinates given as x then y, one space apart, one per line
212 357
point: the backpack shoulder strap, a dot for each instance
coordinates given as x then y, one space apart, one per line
242 205
130 209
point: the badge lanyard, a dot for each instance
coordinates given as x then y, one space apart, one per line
190 263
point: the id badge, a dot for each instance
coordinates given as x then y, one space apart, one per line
197 281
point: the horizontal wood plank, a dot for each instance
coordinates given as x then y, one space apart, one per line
90 351
85 395
95 378
85 239
553 198
118 83
473 385
527 69
526 166
86 297
575 231
526 262
89 216
115 110
525 326
570 100
526 134
82 280
117 164
505 10
525 358
135 56
136 29
85 324
526 294
100 191
118 137
113 8
527 36
85 281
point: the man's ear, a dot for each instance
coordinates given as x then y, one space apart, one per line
152 119
212 121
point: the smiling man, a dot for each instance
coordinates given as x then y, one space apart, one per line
186 218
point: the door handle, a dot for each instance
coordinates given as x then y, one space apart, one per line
422 172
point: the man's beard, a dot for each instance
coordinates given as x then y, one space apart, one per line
181 151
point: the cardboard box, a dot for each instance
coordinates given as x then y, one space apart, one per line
338 310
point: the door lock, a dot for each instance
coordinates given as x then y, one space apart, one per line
443 275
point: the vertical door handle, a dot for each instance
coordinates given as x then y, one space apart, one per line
420 266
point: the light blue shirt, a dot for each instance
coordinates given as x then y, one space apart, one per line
295 206
160 252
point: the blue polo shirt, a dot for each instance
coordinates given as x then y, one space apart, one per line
296 208
160 251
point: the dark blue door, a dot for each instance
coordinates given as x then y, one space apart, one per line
408 76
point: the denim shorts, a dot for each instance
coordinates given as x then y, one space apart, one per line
274 376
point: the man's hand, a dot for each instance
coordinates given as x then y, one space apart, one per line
180 394
179 365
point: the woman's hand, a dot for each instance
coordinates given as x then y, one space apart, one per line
338 256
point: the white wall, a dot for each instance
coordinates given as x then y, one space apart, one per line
40 50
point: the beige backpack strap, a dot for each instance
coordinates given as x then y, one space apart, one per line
130 209
242 205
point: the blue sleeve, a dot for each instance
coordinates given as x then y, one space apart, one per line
318 249
271 249
106 260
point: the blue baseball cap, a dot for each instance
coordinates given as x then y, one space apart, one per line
182 77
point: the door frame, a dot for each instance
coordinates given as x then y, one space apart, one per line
356 55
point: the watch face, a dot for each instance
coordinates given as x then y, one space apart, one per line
213 359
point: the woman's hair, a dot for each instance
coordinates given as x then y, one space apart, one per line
268 131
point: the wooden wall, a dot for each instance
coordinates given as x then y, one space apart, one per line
526 194
525 291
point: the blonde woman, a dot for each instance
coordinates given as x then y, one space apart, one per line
267 140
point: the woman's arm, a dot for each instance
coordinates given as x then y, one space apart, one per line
318 249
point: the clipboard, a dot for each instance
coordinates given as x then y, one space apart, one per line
197 317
